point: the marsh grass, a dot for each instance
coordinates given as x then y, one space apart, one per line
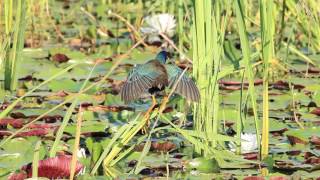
15 23
210 22
208 39
67 117
246 50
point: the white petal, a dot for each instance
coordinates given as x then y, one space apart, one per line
160 23
248 143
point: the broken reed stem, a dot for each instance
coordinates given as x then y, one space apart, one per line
76 144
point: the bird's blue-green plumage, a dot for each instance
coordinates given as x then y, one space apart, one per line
162 57
154 76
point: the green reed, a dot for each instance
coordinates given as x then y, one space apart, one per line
267 23
246 50
208 38
15 13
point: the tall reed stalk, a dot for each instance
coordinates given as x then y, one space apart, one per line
239 9
208 38
15 12
180 23
267 31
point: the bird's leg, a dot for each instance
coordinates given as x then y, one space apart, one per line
164 103
148 113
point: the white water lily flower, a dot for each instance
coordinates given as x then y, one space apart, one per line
248 143
81 153
159 23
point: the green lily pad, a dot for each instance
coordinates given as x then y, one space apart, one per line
88 126
20 151
304 134
203 165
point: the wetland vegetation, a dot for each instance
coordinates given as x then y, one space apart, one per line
255 63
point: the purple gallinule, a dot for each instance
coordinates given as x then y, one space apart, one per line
154 76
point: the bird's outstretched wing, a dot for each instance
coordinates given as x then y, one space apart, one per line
185 87
140 79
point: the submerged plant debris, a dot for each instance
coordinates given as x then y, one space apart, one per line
93 45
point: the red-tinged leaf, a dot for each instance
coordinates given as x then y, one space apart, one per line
313 160
282 85
5 133
95 134
293 152
158 146
163 146
48 119
315 140
279 132
251 156
316 111
307 155
168 110
27 78
275 94
102 108
16 123
33 132
298 86
52 119
295 140
54 168
312 70
86 104
229 123
60 58
253 178
238 83
4 106
232 88
60 94
18 115
42 126
278 178
283 164
18 176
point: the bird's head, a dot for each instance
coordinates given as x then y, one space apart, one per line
162 56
